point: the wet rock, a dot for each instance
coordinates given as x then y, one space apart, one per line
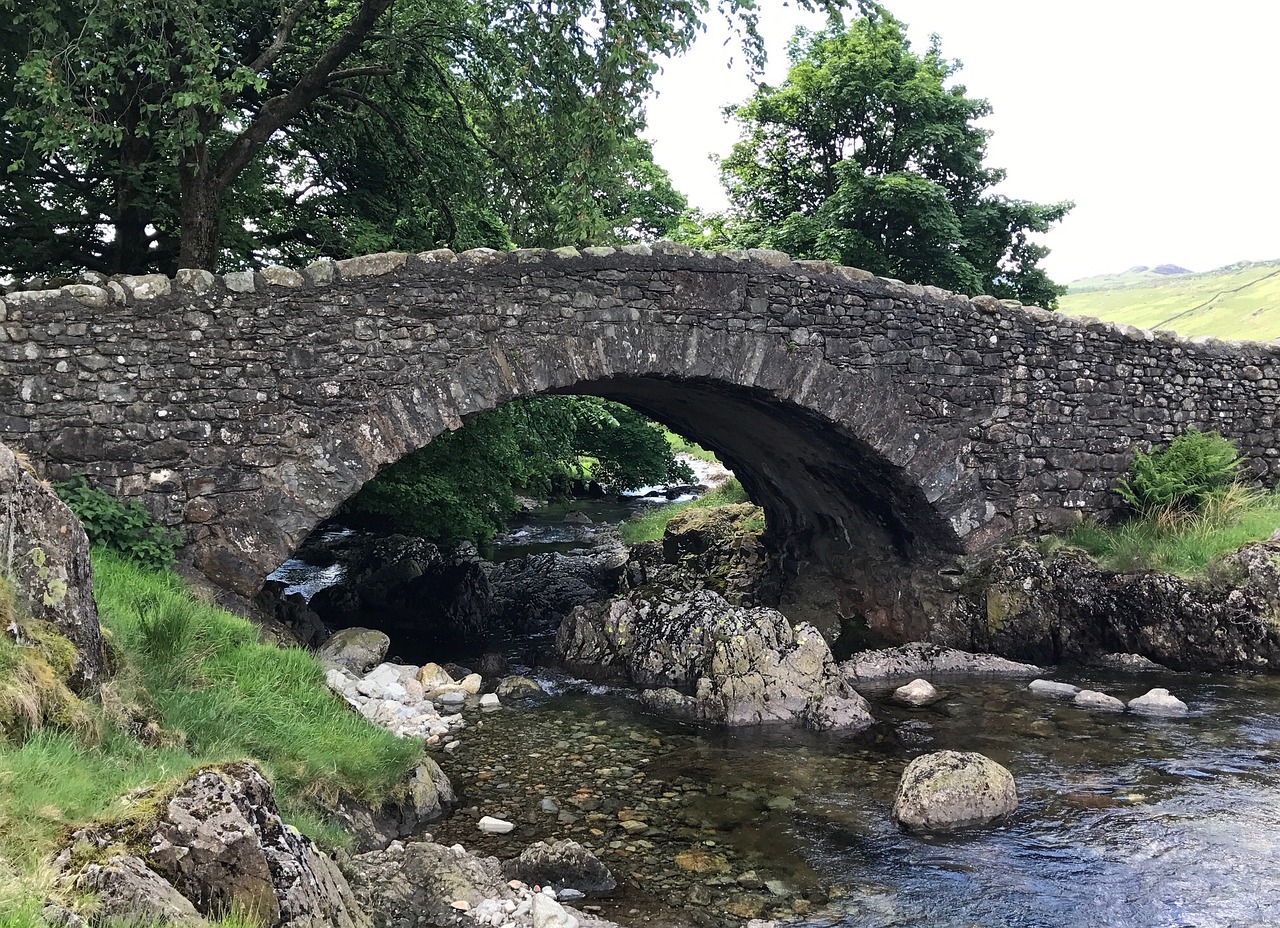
494 826
1126 663
433 676
490 701
515 687
1092 699
425 599
46 554
950 789
218 841
728 665
1158 701
561 863
424 798
355 649
492 665
416 884
536 592
1053 689
1065 607
921 659
919 692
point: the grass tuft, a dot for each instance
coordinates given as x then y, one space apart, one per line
1180 542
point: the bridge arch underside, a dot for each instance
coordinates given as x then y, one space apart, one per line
861 503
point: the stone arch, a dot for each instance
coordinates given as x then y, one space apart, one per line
862 500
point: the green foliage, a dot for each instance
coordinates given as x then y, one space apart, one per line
1183 543
463 485
681 445
867 155
126 528
1182 475
232 696
145 136
650 525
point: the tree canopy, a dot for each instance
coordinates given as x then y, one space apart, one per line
160 133
462 486
868 155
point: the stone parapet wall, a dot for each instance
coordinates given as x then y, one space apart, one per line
245 407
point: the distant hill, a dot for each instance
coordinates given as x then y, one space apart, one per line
1239 301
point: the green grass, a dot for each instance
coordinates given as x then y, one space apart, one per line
219 695
1180 543
649 526
681 445
1241 301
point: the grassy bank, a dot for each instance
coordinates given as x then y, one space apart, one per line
649 526
192 686
681 445
1179 542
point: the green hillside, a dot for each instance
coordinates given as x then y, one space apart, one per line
1240 301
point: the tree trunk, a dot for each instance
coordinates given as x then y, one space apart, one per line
201 203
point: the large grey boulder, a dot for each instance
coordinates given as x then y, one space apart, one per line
44 549
952 789
560 864
1158 701
355 649
711 661
922 659
216 840
131 894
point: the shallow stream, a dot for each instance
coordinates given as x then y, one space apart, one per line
1123 820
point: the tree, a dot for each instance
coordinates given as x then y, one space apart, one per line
462 486
158 133
864 155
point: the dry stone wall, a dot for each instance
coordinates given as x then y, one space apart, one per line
887 429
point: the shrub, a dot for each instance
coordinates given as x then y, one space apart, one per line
126 528
1183 475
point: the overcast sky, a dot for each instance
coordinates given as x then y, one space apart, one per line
1159 118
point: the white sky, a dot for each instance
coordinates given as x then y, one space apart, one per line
1159 118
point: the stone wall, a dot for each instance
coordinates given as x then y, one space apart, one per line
887 429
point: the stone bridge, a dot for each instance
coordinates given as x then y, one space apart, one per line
891 432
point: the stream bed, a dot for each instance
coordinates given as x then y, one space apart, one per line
1123 820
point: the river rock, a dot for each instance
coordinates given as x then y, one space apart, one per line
1158 701
1127 663
952 789
1092 699
490 701
356 650
735 665
561 863
547 913
432 676
514 687
1064 607
494 826
425 599
1053 689
919 692
216 840
922 659
46 554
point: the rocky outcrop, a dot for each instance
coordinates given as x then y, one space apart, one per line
536 592
429 602
699 657
921 659
1064 607
43 548
951 789
561 864
423 884
213 844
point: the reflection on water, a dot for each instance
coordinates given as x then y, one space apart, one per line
1123 820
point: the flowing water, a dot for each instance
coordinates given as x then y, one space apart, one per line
1123 820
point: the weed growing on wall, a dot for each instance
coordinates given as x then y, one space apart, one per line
126 528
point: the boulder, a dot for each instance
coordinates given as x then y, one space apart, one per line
217 841
547 913
427 600
1127 663
1158 701
951 789
131 894
1053 689
355 649
46 554
919 692
560 864
1064 607
1092 699
514 687
536 592
736 665
417 884
921 659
